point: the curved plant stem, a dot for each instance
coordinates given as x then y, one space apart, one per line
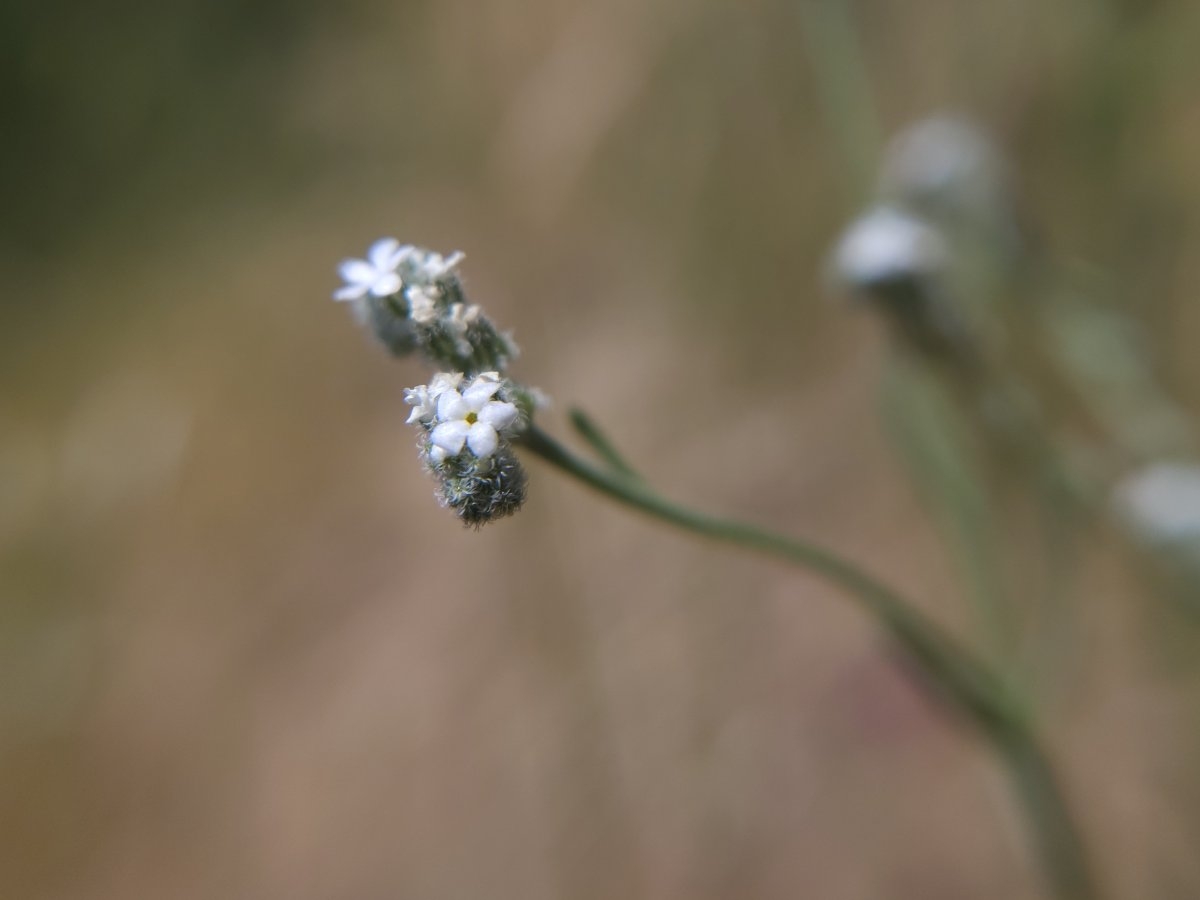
969 686
844 89
598 440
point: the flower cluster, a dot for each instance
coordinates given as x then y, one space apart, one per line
926 247
411 299
468 415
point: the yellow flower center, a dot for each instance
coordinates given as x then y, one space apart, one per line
471 418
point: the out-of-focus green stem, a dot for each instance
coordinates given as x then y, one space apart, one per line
590 432
968 685
833 45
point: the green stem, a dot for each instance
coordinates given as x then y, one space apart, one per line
598 441
971 688
844 88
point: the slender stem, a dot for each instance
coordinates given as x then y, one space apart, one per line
598 441
969 686
844 88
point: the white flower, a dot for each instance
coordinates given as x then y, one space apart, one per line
461 316
1162 502
376 274
472 418
422 303
945 161
423 405
423 398
886 245
460 319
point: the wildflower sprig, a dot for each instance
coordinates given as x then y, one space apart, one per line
472 418
412 300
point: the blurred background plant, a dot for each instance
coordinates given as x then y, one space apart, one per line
245 654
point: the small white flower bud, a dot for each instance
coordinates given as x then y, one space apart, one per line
1161 503
946 164
422 303
886 247
899 263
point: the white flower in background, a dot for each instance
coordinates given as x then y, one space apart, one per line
472 418
947 161
376 274
1161 502
461 316
888 245
422 303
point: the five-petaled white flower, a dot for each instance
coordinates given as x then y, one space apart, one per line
376 274
472 418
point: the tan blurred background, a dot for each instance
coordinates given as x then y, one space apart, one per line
245 654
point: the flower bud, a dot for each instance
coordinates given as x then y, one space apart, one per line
946 166
481 490
897 262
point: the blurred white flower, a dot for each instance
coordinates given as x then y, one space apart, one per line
376 274
1161 502
460 318
422 303
946 161
472 418
434 266
887 245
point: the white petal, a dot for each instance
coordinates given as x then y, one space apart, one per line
456 322
421 306
386 285
383 254
498 415
444 381
421 402
450 436
482 439
350 292
357 271
437 455
479 393
451 407
452 261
